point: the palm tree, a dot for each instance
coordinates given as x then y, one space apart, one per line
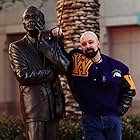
75 17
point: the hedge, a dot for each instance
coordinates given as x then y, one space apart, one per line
14 129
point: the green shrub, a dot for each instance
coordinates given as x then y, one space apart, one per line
70 130
131 128
11 128
14 129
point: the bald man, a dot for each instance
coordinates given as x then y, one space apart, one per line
103 88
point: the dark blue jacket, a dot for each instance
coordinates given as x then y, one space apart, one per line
105 88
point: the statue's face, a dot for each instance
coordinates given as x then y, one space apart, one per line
33 19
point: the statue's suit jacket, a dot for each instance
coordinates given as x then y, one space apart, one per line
41 94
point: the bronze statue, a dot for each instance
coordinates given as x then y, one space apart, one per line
37 61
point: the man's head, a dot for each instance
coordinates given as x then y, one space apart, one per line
89 44
33 20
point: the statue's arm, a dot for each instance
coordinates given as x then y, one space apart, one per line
24 73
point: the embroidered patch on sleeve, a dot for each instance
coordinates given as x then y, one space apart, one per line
130 81
81 65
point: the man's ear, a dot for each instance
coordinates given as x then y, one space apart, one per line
98 45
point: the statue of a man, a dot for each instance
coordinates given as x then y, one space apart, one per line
36 62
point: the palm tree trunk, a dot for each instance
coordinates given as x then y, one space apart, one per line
76 17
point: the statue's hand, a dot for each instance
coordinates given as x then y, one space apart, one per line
56 32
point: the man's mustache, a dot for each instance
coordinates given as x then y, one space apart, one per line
89 50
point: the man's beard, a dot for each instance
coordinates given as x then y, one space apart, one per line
90 53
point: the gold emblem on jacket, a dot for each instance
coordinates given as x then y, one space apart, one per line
81 65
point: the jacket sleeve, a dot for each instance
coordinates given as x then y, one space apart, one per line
53 48
24 74
128 91
70 71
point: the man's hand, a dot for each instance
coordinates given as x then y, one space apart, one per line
57 32
123 109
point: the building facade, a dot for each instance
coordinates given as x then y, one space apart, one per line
120 31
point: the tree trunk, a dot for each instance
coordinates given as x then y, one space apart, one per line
76 17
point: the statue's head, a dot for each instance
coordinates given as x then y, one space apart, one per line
33 20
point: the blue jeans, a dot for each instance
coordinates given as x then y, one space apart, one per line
102 127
